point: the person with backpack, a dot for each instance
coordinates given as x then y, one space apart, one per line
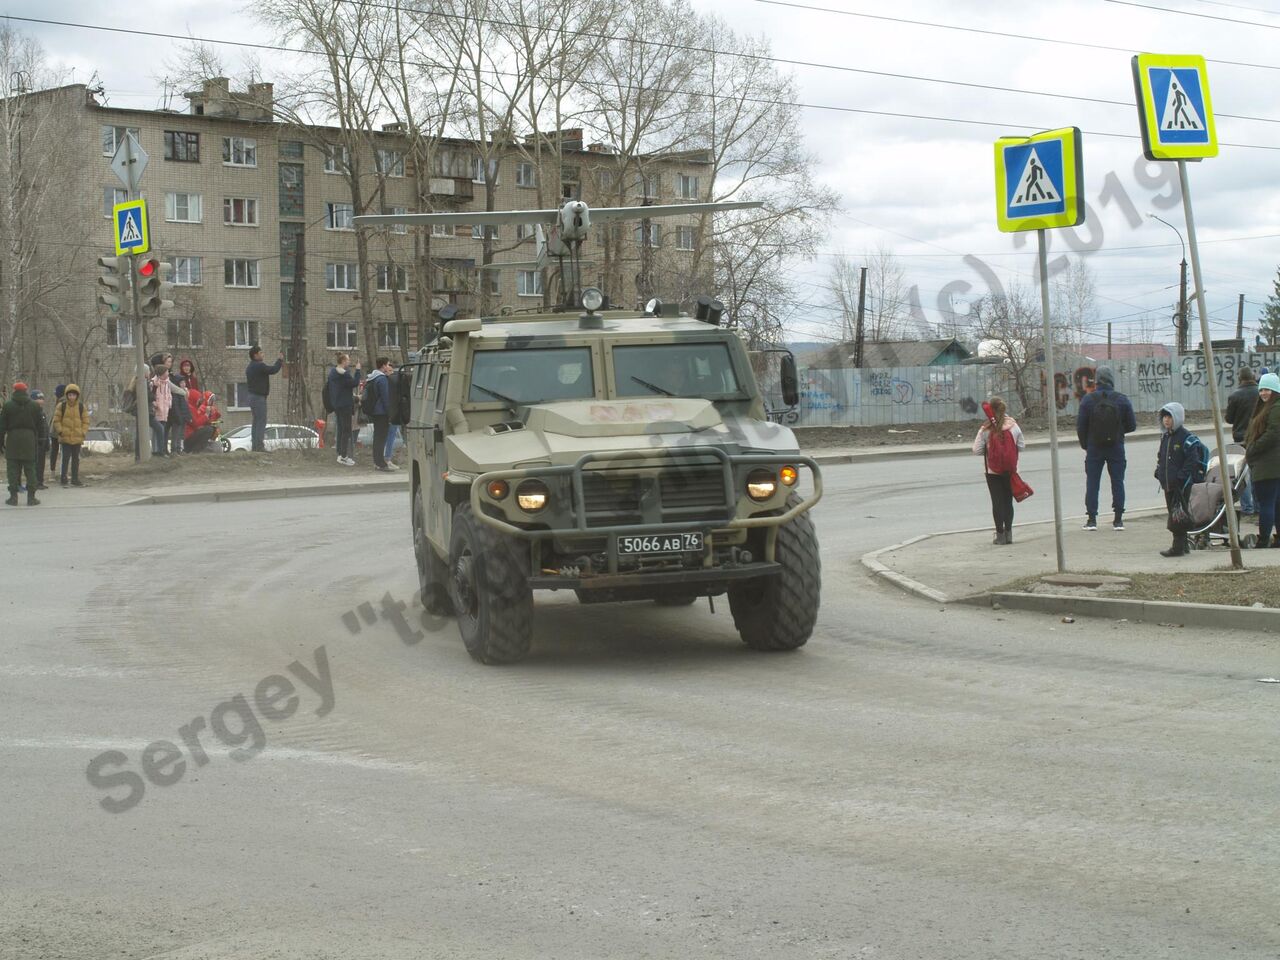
340 387
1182 461
71 425
998 441
1105 416
376 406
1262 452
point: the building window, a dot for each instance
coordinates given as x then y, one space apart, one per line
341 276
685 237
338 216
477 170
525 231
237 396
119 331
397 212
526 176
687 187
337 159
183 333
479 232
240 211
112 137
529 283
186 271
242 333
290 174
110 197
385 273
390 163
341 335
441 230
605 179
239 152
181 147
240 273
647 238
183 208
388 335
648 186
291 149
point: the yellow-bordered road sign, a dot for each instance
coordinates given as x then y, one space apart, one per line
130 221
1039 180
1174 109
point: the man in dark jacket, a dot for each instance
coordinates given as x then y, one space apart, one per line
257 376
379 382
1105 416
42 438
341 386
19 428
1180 463
1240 407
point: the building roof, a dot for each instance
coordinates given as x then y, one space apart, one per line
1124 351
910 353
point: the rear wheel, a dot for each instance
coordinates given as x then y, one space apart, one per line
433 573
489 588
779 612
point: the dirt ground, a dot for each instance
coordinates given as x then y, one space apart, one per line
118 469
1255 585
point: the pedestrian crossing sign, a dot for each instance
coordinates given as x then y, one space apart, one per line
1174 109
131 227
1038 181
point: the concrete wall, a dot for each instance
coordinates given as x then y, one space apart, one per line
878 397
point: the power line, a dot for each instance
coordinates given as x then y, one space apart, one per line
1192 13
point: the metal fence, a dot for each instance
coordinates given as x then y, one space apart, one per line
893 395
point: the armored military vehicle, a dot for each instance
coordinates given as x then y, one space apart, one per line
623 455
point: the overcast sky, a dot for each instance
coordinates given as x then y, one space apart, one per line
924 188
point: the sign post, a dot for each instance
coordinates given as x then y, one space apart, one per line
1175 113
1038 187
132 237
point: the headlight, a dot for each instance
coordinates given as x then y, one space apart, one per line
532 495
789 475
592 299
497 489
761 484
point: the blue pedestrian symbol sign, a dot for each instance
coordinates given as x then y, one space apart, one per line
1038 181
131 227
1174 107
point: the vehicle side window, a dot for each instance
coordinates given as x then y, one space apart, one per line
272 434
420 375
441 389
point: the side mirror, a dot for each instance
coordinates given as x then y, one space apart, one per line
790 381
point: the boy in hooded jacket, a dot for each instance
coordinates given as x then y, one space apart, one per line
1180 463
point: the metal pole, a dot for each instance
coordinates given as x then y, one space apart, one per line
142 409
1240 322
1237 562
1108 340
1053 401
1183 320
859 338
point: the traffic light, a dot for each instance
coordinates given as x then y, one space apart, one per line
113 285
154 288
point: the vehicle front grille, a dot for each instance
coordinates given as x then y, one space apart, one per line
694 492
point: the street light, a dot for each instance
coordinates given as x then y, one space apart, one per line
1183 320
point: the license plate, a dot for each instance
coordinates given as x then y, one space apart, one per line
661 543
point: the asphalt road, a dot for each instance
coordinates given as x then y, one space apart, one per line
915 783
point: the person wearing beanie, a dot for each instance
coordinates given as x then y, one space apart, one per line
1262 452
71 424
1105 416
19 428
53 437
42 437
1240 406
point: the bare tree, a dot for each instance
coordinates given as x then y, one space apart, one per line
1008 326
1074 304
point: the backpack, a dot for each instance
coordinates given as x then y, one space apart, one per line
326 400
1192 447
128 401
1002 452
369 399
1104 421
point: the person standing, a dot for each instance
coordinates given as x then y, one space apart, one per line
161 395
1105 416
179 411
71 424
1240 407
53 437
1180 463
42 438
1262 452
19 428
998 441
257 377
341 385
380 383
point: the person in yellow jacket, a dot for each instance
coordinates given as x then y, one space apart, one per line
71 426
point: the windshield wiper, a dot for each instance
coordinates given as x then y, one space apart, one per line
652 386
496 395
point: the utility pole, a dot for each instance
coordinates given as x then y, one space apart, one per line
142 414
860 333
1182 309
1240 320
1108 339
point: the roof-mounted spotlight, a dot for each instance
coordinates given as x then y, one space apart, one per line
709 310
446 313
592 300
653 308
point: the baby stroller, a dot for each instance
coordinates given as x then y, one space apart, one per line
1208 503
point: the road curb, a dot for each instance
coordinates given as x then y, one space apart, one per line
266 493
902 581
1209 615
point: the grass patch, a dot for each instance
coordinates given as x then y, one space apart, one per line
1255 585
119 469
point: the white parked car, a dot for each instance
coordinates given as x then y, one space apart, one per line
102 440
279 436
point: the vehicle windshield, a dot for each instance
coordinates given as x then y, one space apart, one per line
531 375
675 370
240 431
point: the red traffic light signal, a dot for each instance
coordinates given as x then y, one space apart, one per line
148 268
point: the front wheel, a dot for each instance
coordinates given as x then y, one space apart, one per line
779 612
433 573
489 588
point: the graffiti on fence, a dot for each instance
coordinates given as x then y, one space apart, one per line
939 387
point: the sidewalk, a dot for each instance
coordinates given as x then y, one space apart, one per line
261 487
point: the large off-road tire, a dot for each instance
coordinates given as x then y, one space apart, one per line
433 573
778 613
489 588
